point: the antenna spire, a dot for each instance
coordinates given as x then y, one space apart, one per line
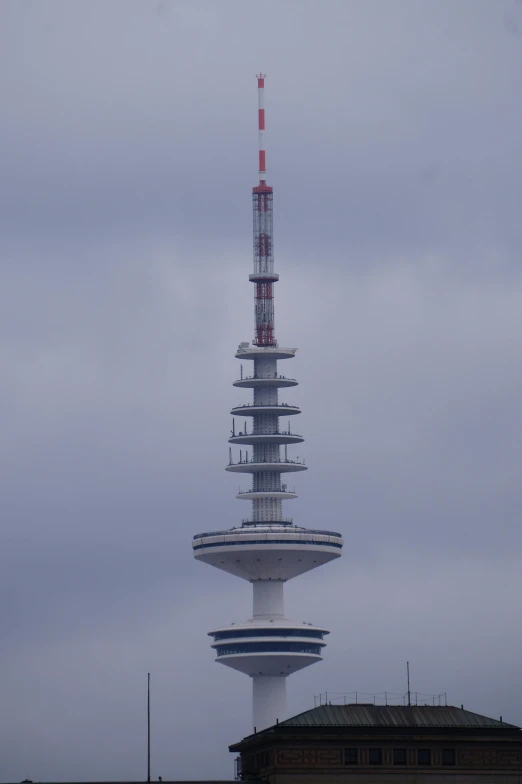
261 125
264 276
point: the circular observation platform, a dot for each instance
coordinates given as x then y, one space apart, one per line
261 552
254 467
253 382
252 495
283 437
251 409
273 647
246 351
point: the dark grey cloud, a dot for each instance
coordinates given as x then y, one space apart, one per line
129 152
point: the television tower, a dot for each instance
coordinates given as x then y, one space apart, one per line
267 549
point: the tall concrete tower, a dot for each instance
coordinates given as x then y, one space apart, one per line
267 549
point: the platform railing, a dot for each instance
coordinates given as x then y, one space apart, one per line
250 460
282 521
275 377
277 433
265 405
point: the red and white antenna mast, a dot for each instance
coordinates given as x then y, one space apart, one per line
261 125
264 276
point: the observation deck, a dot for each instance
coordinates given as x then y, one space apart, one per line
276 381
257 466
267 552
272 647
246 351
252 495
281 437
251 409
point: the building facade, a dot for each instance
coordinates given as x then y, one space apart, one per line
367 744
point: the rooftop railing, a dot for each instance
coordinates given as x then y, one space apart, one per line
381 698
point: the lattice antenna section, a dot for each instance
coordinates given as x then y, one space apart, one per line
262 208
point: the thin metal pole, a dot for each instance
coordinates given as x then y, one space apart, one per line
409 693
148 726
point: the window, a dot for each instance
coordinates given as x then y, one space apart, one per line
350 757
253 633
399 756
267 647
375 756
423 756
448 756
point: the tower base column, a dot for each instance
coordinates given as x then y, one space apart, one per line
269 700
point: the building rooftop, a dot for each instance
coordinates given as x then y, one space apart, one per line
386 718
362 715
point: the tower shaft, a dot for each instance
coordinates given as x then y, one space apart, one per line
268 700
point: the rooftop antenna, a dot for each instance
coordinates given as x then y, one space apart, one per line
148 726
408 673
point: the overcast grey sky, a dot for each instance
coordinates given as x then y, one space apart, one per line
128 155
